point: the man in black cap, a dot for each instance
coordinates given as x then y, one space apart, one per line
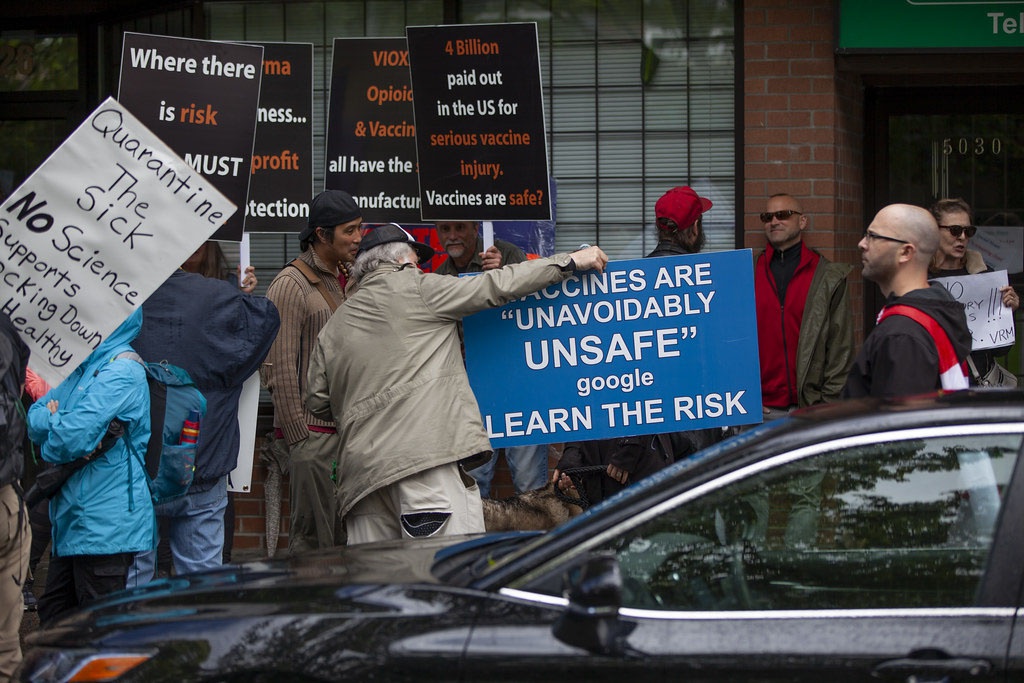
388 367
307 291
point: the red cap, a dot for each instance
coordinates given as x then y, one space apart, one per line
682 205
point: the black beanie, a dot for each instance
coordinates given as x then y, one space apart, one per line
328 209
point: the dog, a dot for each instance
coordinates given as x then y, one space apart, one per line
537 510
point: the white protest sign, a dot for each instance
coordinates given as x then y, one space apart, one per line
990 322
240 478
1002 246
93 232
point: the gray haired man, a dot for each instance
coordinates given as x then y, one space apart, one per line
388 368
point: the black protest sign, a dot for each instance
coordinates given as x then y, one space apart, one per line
480 138
200 97
371 143
282 160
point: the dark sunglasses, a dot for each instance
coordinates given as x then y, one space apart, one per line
875 236
779 215
957 230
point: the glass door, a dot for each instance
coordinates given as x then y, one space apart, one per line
966 142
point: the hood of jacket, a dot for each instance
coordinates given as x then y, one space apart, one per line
947 311
117 340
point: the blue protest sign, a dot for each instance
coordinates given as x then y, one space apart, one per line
649 346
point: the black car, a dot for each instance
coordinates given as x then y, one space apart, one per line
859 541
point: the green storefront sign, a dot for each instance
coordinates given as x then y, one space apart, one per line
930 24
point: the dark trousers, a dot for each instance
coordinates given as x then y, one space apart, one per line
39 518
79 579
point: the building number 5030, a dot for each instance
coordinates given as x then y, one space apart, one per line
976 146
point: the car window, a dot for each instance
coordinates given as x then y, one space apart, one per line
898 524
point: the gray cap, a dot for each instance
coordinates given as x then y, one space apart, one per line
393 232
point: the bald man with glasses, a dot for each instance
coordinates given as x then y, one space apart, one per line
804 323
921 341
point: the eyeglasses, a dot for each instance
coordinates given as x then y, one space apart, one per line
779 215
957 230
875 236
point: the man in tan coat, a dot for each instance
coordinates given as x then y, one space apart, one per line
388 368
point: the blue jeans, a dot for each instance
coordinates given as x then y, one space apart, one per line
196 534
529 466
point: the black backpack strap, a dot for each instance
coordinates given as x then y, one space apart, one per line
157 408
157 411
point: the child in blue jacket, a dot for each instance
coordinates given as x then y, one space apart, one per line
103 514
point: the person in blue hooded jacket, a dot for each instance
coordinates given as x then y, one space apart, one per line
103 514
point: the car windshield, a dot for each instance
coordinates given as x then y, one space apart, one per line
510 552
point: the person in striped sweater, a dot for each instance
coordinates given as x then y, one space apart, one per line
306 292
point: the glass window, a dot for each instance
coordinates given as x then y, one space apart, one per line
35 63
639 97
26 145
905 524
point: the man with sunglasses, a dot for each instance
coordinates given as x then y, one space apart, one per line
921 341
956 228
804 323
465 248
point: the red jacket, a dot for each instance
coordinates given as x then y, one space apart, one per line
778 326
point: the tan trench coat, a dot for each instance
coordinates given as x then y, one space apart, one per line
388 367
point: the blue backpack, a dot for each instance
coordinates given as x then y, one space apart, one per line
173 396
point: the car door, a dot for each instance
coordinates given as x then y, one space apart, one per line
889 555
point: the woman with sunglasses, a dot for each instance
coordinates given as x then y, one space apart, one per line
953 258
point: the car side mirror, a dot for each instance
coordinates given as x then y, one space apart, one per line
592 620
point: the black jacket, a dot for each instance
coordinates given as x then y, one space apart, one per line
899 357
220 335
640 456
13 360
668 248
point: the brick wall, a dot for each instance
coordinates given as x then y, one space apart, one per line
803 128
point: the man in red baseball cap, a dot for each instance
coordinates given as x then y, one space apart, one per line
678 215
680 232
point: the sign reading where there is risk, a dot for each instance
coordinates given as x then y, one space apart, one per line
649 346
371 139
282 161
480 137
200 97
94 231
